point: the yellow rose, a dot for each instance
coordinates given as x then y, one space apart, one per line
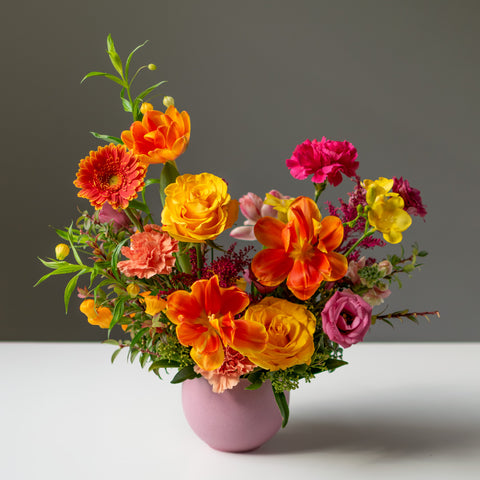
198 208
290 328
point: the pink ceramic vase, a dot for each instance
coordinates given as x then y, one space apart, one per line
236 420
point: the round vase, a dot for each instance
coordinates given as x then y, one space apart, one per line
236 420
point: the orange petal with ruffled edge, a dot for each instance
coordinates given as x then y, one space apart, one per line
268 231
339 266
208 360
330 234
305 276
181 306
271 266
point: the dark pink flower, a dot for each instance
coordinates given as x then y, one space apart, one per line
325 160
346 318
150 253
411 197
118 218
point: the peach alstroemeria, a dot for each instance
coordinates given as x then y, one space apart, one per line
205 320
300 251
100 316
153 303
159 137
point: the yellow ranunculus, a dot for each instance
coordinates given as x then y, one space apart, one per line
290 328
386 212
101 316
198 208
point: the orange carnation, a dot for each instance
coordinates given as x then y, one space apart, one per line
159 137
111 174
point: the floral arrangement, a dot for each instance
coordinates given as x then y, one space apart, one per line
175 299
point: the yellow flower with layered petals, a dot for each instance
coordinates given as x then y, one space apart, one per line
290 328
198 208
281 205
386 213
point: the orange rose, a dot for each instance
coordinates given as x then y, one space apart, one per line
198 208
159 137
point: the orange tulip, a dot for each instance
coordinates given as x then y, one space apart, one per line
205 320
159 137
300 251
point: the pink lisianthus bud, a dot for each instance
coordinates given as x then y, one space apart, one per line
385 267
346 318
118 218
376 295
254 208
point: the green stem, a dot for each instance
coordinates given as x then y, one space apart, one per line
132 217
319 188
198 248
363 237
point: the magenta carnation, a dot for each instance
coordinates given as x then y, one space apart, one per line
346 318
325 160
150 253
411 197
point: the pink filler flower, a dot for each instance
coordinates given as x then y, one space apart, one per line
411 197
346 318
150 253
326 160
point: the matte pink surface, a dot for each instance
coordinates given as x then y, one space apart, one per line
236 420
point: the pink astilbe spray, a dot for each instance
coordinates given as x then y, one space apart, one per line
411 197
228 375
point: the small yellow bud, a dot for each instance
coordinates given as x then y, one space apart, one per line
168 101
133 290
151 66
62 251
146 107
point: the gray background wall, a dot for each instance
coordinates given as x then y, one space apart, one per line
399 79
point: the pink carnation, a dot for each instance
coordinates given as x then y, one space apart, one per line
411 197
228 375
326 160
346 318
150 253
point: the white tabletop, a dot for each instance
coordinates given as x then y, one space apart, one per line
397 411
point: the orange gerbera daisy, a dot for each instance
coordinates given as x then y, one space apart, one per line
111 174
159 137
205 320
300 251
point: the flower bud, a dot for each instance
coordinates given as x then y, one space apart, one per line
151 66
61 251
168 101
133 290
385 267
146 107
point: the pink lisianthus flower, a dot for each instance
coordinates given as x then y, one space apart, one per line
376 295
346 318
228 374
325 160
150 253
118 218
411 197
254 208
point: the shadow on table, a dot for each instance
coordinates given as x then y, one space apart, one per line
382 436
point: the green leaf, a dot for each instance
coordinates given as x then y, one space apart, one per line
139 335
144 359
129 59
282 406
254 386
117 313
163 364
168 176
127 106
115 354
139 206
115 256
133 355
108 138
186 373
151 181
70 288
111 341
103 74
114 57
333 363
142 95
60 271
74 250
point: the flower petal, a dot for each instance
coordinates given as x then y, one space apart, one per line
339 266
271 266
268 231
330 233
